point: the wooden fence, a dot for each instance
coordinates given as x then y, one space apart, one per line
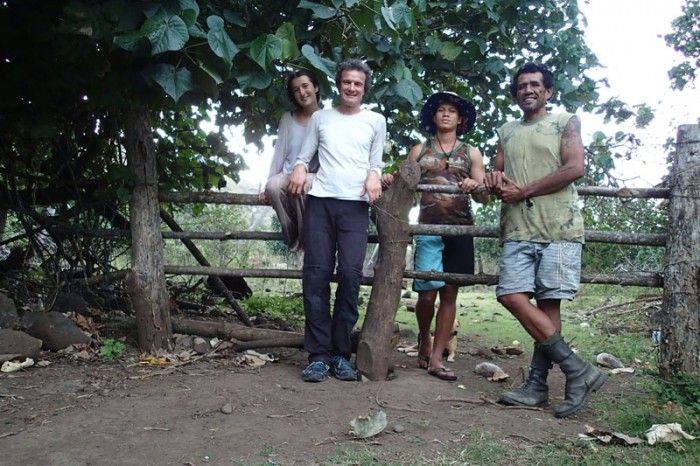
647 279
680 277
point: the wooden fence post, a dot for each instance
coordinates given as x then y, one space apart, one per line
374 345
680 328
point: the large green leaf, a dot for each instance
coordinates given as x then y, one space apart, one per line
322 64
320 11
221 44
409 90
129 41
175 82
215 22
209 69
388 15
165 33
450 51
257 80
289 41
266 48
402 15
190 11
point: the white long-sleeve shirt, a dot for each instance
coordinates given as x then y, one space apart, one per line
289 139
348 147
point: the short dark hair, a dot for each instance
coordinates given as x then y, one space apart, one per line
547 76
354 64
299 74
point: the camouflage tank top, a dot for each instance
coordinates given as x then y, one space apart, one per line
444 168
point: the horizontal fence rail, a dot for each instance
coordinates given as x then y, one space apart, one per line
646 279
591 236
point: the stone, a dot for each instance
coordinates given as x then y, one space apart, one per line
70 302
8 312
18 345
201 346
227 408
56 331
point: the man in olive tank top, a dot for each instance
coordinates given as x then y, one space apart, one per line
537 161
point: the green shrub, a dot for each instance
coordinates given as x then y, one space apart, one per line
290 309
682 390
112 349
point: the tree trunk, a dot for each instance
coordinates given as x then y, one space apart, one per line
374 346
680 328
146 280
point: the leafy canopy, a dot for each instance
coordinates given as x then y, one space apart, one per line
72 67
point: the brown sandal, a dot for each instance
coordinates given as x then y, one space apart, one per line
440 373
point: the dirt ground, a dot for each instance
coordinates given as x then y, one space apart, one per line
74 413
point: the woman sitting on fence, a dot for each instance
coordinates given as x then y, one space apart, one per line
303 92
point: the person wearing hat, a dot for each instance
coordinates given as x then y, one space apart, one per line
443 160
538 159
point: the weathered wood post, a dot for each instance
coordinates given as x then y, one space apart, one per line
680 328
146 279
374 346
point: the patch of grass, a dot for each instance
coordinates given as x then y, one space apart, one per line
424 423
289 309
641 401
682 390
415 440
478 447
365 456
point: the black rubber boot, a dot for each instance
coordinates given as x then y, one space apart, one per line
534 391
582 378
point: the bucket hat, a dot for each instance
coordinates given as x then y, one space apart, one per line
465 109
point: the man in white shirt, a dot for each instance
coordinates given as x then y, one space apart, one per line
350 144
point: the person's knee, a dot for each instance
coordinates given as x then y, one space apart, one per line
508 301
426 299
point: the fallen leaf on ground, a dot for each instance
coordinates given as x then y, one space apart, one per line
610 438
609 361
149 360
14 366
368 426
491 372
255 360
666 433
623 370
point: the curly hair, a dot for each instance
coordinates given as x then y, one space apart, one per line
547 76
354 64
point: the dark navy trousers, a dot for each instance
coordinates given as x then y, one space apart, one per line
332 227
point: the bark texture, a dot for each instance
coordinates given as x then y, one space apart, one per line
680 341
374 346
146 279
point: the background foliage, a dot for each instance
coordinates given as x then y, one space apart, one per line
72 69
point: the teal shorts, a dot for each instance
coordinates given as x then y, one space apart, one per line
449 254
540 270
